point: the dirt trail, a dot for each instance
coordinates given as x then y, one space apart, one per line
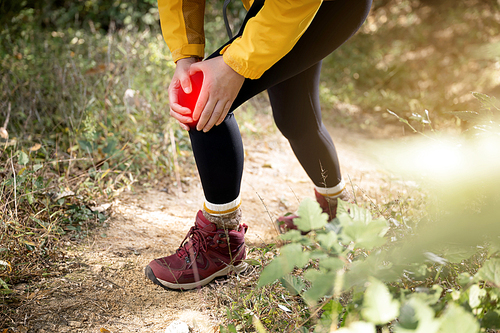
106 287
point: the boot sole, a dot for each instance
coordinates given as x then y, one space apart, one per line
186 286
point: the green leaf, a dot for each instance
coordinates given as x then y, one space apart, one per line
492 320
456 253
329 241
331 311
291 255
31 199
37 167
23 158
332 307
358 327
311 216
457 320
486 101
464 279
332 264
428 296
111 147
292 235
359 227
293 284
476 294
253 262
322 285
372 266
490 272
417 317
378 305
85 146
4 285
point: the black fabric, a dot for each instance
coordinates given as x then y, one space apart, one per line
293 87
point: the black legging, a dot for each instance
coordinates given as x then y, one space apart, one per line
293 87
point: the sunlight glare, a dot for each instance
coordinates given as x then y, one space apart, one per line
439 159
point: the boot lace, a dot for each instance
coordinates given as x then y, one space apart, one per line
196 241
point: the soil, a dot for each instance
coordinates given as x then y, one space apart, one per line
105 290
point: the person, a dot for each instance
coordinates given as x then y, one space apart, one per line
278 48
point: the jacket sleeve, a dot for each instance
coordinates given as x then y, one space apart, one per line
270 35
182 27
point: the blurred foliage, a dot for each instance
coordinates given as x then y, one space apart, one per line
98 14
411 56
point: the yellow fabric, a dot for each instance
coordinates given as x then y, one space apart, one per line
182 27
268 36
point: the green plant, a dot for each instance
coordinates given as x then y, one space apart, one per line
348 255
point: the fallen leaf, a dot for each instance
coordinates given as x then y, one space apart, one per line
103 330
36 147
4 134
97 69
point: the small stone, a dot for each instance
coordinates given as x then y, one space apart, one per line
97 269
120 265
177 326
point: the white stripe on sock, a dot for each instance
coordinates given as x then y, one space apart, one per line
331 192
222 209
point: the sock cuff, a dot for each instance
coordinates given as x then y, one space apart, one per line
331 192
222 209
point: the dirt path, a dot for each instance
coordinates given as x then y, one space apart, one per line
106 289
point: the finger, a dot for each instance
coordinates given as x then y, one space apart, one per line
201 103
216 114
176 107
184 126
173 93
206 115
227 107
181 118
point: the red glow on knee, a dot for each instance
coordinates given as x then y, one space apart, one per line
189 100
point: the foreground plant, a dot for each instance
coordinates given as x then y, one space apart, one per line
347 255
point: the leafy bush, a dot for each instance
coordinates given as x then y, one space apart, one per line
348 254
100 14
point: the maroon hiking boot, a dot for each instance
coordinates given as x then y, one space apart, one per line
205 254
285 223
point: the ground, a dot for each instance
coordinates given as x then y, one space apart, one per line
105 288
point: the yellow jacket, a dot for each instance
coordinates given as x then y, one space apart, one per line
268 36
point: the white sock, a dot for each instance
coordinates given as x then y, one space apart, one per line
332 192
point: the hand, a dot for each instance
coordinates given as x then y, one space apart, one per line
221 85
180 80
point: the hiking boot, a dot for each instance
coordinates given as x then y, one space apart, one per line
205 254
329 206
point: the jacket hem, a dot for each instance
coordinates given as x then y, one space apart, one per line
189 50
